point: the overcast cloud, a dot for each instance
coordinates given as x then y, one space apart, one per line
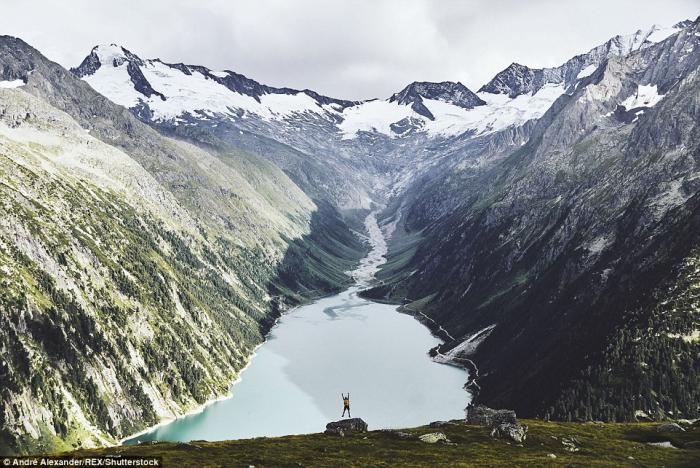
352 49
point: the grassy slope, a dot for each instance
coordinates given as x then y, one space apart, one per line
600 445
105 271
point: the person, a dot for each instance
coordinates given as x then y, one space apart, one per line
346 404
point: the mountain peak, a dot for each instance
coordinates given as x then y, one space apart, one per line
512 80
517 79
446 91
115 56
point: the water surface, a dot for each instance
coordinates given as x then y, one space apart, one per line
338 344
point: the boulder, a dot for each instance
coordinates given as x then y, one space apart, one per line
571 444
346 425
484 416
400 434
515 432
433 437
669 427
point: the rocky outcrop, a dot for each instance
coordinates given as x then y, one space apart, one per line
345 426
503 423
515 432
481 415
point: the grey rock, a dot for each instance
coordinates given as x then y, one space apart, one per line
345 426
516 432
400 434
669 427
484 416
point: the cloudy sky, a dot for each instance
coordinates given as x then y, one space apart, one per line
352 49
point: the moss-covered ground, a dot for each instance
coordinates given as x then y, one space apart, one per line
547 444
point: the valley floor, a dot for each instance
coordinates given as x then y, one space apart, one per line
596 444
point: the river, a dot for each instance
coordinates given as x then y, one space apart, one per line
342 343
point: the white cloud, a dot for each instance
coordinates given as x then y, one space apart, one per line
349 49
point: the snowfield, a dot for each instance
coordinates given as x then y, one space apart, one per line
646 96
500 112
11 84
191 93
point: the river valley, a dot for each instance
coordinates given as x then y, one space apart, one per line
342 343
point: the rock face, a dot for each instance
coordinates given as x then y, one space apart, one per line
593 213
519 79
503 423
346 425
447 91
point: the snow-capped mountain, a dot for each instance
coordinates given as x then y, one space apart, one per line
160 92
519 79
448 92
170 91
176 93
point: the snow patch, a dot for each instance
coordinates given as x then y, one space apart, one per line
115 83
373 116
598 244
646 96
586 71
659 33
11 84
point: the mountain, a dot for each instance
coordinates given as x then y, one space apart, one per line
157 218
448 92
518 79
160 92
139 272
564 269
507 200
131 81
